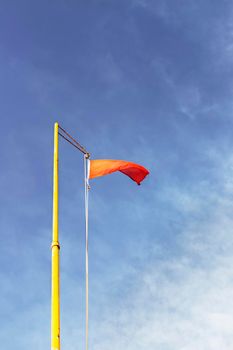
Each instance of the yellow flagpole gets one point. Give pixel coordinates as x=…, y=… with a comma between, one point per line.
x=55, y=295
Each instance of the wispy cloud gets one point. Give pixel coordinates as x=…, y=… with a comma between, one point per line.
x=184, y=301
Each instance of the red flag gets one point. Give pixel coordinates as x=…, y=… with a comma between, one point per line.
x=100, y=167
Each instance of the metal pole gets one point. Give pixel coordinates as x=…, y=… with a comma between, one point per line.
x=55, y=295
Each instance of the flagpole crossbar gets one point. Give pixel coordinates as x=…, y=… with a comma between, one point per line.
x=72, y=141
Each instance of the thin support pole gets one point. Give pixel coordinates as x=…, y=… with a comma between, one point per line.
x=55, y=295
x=86, y=175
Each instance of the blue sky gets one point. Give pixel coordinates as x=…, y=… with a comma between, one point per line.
x=142, y=80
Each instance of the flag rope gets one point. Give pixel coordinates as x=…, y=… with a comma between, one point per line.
x=87, y=187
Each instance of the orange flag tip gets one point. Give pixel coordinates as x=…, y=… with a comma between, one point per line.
x=101, y=167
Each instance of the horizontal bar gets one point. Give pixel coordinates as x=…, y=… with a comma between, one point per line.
x=75, y=143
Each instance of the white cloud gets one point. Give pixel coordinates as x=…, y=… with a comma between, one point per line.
x=183, y=301
x=160, y=8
